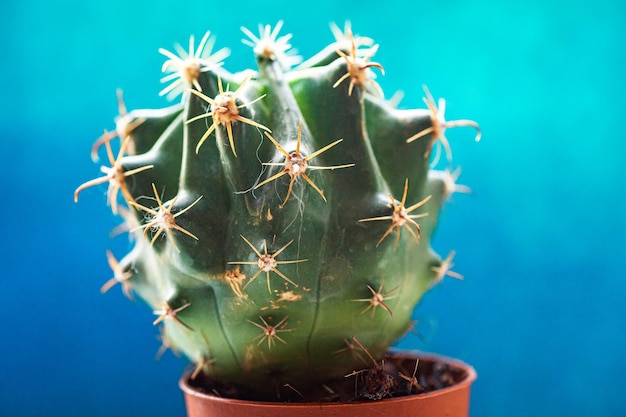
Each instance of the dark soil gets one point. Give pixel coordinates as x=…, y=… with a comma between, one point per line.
x=396, y=376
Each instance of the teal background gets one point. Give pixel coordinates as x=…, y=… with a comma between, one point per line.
x=541, y=241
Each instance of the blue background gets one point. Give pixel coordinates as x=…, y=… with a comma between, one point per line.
x=541, y=241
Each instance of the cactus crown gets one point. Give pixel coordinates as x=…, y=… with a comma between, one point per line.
x=281, y=217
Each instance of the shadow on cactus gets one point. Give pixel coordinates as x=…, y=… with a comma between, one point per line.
x=282, y=216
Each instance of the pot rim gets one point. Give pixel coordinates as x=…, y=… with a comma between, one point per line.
x=470, y=377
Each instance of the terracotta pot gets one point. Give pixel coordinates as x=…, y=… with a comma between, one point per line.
x=452, y=401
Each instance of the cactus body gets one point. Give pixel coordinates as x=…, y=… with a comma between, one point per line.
x=300, y=223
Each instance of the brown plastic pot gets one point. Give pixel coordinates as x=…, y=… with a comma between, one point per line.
x=452, y=401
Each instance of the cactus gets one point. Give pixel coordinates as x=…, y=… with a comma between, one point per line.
x=279, y=215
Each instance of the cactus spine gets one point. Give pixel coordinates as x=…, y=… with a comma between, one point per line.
x=281, y=213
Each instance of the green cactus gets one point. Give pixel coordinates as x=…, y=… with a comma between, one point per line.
x=279, y=215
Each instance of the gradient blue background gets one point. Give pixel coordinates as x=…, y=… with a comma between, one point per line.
x=541, y=314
